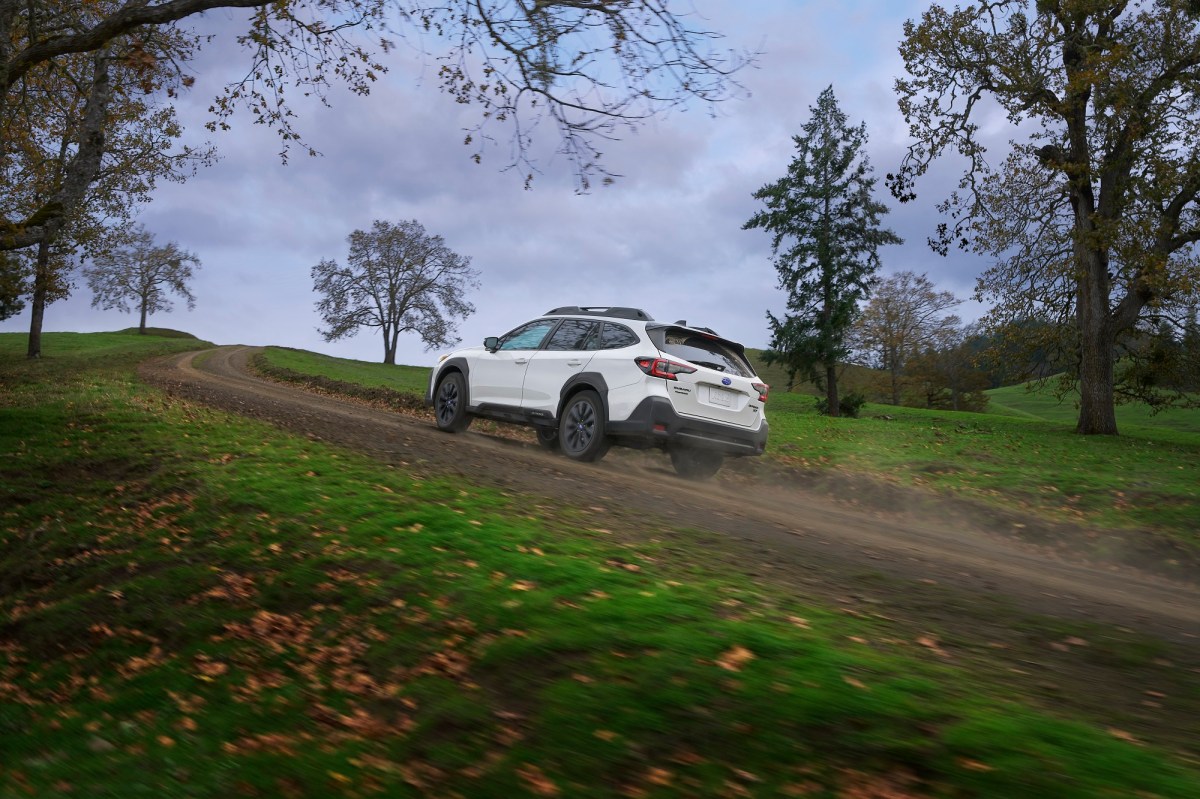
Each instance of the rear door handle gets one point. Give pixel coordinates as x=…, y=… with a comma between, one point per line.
x=574, y=363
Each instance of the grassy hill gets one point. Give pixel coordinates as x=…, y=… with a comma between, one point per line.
x=1040, y=403
x=196, y=604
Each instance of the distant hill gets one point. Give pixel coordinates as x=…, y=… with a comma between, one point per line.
x=159, y=331
x=1041, y=403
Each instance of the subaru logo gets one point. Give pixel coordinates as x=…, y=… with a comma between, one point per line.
x=725, y=381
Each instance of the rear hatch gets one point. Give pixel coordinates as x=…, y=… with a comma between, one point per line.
x=723, y=388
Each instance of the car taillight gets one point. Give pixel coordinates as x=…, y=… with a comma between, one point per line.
x=762, y=389
x=661, y=367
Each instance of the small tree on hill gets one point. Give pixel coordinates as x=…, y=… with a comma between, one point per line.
x=826, y=236
x=135, y=274
x=906, y=316
x=945, y=376
x=399, y=279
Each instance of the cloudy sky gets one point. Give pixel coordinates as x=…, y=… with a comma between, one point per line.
x=666, y=237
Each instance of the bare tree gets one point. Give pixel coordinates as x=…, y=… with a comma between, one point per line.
x=905, y=316
x=399, y=279
x=137, y=275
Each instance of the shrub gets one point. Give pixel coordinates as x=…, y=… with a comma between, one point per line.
x=848, y=404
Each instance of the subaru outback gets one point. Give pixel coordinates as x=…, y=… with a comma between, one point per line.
x=587, y=378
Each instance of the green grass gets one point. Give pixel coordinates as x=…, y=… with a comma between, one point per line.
x=404, y=379
x=1023, y=457
x=194, y=604
x=1148, y=478
x=1132, y=418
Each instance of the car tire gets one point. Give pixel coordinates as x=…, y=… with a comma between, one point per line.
x=581, y=430
x=696, y=464
x=450, y=404
x=547, y=437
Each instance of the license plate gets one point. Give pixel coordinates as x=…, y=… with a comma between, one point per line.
x=720, y=397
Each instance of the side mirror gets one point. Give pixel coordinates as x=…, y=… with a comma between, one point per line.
x=492, y=343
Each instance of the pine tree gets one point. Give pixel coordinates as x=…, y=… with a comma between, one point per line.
x=826, y=235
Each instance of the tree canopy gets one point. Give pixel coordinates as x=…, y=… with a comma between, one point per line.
x=397, y=278
x=1092, y=217
x=825, y=236
x=588, y=68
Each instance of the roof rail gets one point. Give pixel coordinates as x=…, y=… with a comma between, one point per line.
x=614, y=311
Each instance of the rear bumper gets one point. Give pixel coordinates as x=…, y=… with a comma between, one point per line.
x=656, y=422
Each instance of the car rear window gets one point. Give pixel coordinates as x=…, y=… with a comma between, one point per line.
x=704, y=351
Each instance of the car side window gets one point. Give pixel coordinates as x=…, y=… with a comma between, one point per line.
x=527, y=337
x=614, y=337
x=572, y=334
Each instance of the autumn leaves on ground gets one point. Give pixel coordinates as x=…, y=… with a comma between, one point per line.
x=193, y=604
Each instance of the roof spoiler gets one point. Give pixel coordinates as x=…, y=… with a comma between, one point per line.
x=683, y=323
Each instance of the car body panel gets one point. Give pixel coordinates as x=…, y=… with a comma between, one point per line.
x=547, y=373
x=497, y=377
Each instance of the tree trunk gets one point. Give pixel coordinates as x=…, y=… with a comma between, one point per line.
x=389, y=345
x=41, y=277
x=831, y=392
x=1097, y=406
x=142, y=326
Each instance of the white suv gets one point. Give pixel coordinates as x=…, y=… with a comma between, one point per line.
x=587, y=378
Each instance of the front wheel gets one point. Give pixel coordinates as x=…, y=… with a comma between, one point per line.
x=581, y=430
x=696, y=464
x=450, y=404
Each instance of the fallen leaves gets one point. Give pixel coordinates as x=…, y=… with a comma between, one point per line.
x=536, y=780
x=735, y=658
x=1122, y=735
x=930, y=642
x=208, y=668
x=855, y=683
